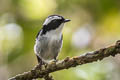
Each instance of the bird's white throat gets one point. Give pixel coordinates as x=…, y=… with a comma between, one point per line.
x=56, y=32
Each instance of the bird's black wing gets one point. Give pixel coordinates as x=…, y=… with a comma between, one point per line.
x=39, y=60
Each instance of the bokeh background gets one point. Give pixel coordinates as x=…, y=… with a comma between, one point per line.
x=94, y=24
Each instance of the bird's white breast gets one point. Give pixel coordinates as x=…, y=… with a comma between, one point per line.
x=49, y=44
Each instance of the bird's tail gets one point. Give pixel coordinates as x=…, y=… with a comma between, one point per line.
x=40, y=62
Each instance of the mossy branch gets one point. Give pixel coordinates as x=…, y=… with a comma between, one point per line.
x=40, y=72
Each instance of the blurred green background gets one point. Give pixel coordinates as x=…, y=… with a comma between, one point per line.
x=94, y=24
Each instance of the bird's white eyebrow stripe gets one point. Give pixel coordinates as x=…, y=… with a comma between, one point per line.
x=49, y=19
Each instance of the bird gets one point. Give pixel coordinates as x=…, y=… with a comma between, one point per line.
x=49, y=39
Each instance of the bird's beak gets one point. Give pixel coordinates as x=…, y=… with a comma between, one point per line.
x=67, y=20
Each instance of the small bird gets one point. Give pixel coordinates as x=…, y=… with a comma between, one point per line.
x=49, y=39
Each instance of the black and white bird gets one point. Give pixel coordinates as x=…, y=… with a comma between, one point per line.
x=49, y=39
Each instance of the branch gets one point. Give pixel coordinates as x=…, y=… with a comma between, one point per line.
x=47, y=77
x=89, y=57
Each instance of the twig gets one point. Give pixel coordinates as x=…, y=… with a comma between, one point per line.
x=69, y=62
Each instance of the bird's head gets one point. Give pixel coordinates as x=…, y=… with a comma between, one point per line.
x=54, y=22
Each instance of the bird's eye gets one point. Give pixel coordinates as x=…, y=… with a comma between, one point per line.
x=62, y=19
x=54, y=20
x=57, y=21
